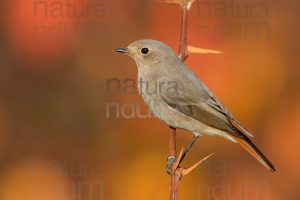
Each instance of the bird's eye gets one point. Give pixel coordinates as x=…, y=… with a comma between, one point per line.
x=144, y=50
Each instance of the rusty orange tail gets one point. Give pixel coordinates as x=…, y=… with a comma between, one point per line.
x=255, y=152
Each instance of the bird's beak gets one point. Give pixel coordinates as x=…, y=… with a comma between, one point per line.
x=121, y=50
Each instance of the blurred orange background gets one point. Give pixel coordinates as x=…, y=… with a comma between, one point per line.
x=67, y=134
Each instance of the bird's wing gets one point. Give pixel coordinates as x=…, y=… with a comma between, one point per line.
x=205, y=107
x=212, y=112
x=217, y=104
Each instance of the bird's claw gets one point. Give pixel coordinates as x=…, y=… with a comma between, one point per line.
x=170, y=161
x=173, y=165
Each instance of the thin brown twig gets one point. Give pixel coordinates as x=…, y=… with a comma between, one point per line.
x=176, y=171
x=183, y=53
x=173, y=152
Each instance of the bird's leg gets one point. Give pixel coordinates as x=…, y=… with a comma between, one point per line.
x=172, y=159
x=188, y=148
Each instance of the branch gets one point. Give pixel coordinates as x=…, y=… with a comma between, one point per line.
x=184, y=50
x=183, y=54
x=173, y=152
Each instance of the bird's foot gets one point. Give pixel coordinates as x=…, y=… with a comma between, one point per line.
x=170, y=161
x=173, y=164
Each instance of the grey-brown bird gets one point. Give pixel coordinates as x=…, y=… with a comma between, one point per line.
x=180, y=99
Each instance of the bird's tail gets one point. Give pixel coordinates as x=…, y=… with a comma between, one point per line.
x=255, y=152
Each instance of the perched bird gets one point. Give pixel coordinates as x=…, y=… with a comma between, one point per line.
x=179, y=98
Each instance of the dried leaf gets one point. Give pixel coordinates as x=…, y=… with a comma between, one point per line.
x=188, y=3
x=189, y=170
x=178, y=2
x=177, y=162
x=192, y=49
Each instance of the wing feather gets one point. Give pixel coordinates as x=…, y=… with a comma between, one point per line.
x=207, y=110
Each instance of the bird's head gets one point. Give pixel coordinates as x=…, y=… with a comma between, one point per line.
x=148, y=52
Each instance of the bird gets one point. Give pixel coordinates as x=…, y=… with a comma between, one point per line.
x=177, y=96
